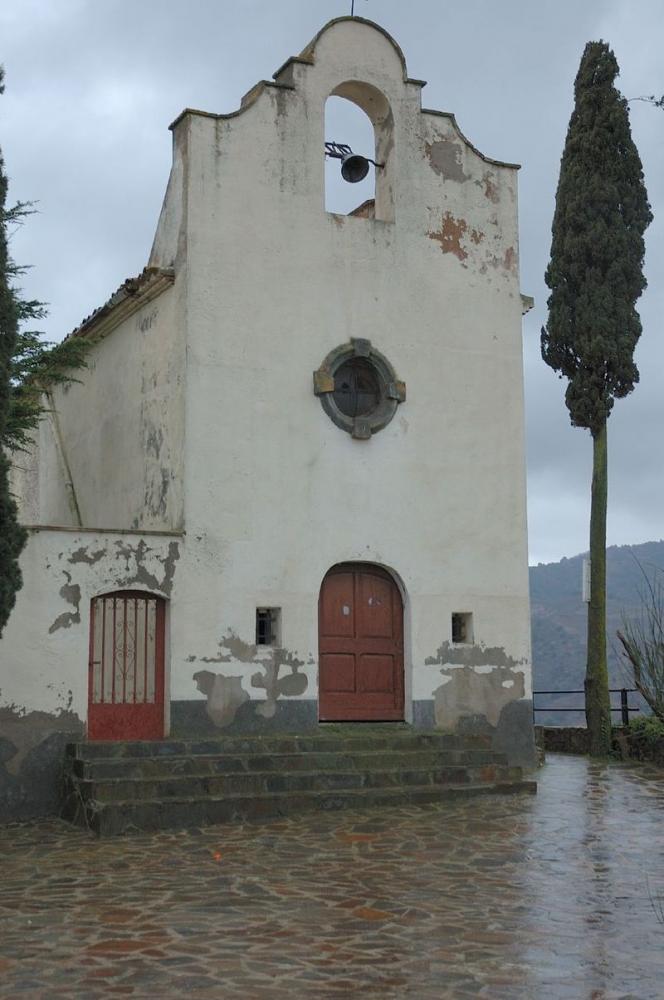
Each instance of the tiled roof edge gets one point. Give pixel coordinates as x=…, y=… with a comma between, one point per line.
x=127, y=299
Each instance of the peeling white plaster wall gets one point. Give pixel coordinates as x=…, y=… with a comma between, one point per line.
x=279, y=494
x=271, y=492
x=44, y=648
x=122, y=430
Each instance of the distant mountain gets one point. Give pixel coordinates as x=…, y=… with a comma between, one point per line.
x=559, y=615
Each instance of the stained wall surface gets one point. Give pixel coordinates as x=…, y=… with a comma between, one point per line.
x=198, y=416
x=44, y=649
x=438, y=495
x=116, y=433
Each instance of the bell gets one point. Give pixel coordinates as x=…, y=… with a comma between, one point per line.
x=354, y=168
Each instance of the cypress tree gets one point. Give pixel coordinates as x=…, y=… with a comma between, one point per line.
x=28, y=365
x=12, y=535
x=596, y=276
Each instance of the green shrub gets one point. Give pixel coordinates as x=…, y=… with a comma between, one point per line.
x=646, y=736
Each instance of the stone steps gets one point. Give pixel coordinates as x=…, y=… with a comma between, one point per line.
x=115, y=788
x=213, y=764
x=261, y=783
x=379, y=739
x=110, y=819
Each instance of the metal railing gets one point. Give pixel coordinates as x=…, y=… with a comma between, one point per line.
x=625, y=708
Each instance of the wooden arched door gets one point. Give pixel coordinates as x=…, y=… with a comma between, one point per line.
x=126, y=668
x=360, y=630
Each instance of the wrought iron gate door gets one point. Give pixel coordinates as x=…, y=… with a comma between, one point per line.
x=126, y=668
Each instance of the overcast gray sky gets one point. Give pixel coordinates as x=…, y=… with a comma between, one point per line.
x=91, y=86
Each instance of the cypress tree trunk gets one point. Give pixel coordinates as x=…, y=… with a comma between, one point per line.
x=598, y=704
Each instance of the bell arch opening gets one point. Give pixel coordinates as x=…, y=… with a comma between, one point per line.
x=358, y=115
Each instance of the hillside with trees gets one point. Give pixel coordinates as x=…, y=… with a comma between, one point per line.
x=558, y=618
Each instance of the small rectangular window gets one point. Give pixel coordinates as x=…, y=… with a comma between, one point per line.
x=267, y=626
x=462, y=627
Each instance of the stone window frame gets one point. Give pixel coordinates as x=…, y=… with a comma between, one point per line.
x=268, y=627
x=462, y=628
x=392, y=389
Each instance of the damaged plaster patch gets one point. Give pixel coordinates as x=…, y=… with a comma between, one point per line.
x=138, y=573
x=477, y=681
x=468, y=693
x=231, y=647
x=509, y=260
x=473, y=656
x=490, y=187
x=506, y=262
x=238, y=649
x=224, y=695
x=22, y=731
x=446, y=159
x=450, y=235
x=291, y=685
x=83, y=556
x=270, y=660
x=144, y=567
x=72, y=595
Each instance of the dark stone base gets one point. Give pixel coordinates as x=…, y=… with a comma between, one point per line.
x=563, y=739
x=37, y=787
x=423, y=715
x=514, y=735
x=190, y=718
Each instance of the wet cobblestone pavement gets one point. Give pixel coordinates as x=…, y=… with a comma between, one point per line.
x=550, y=897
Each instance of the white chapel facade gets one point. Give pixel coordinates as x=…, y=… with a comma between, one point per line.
x=290, y=485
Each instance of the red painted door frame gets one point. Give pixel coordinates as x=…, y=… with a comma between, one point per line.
x=126, y=666
x=360, y=637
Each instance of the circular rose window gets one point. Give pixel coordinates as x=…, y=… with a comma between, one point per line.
x=358, y=388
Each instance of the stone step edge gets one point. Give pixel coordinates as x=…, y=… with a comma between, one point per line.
x=428, y=738
x=445, y=791
x=287, y=755
x=87, y=782
x=278, y=734
x=344, y=767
